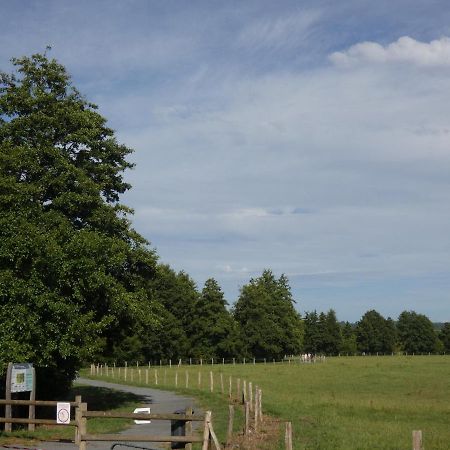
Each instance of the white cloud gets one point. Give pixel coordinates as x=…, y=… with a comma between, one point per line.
x=406, y=49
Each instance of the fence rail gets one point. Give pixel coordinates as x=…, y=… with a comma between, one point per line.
x=82, y=437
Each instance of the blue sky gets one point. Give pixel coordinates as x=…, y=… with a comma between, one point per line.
x=309, y=137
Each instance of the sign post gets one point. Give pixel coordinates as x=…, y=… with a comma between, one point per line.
x=20, y=378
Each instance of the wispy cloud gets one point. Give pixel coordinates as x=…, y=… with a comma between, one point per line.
x=289, y=30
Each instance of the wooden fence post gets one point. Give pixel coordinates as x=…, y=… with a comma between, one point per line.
x=250, y=395
x=247, y=418
x=230, y=424
x=244, y=392
x=288, y=436
x=77, y=420
x=188, y=428
x=417, y=440
x=230, y=387
x=187, y=380
x=256, y=409
x=206, y=431
x=221, y=383
x=260, y=405
x=238, y=388
x=199, y=379
x=211, y=381
x=156, y=377
x=82, y=426
x=8, y=414
x=176, y=379
x=32, y=408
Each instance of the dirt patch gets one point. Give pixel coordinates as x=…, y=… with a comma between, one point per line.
x=267, y=437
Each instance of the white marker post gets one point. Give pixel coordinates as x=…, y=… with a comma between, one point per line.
x=142, y=411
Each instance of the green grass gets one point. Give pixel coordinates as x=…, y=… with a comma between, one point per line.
x=98, y=399
x=343, y=403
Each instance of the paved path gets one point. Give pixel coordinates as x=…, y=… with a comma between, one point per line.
x=158, y=401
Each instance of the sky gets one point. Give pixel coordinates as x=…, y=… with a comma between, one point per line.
x=311, y=138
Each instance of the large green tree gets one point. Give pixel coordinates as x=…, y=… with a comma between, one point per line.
x=177, y=292
x=270, y=325
x=313, y=334
x=215, y=332
x=375, y=334
x=349, y=345
x=72, y=270
x=416, y=333
x=331, y=333
x=444, y=336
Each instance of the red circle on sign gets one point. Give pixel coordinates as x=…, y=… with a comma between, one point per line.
x=63, y=415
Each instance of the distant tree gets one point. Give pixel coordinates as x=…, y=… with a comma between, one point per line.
x=72, y=270
x=444, y=336
x=331, y=338
x=375, y=334
x=313, y=334
x=178, y=294
x=416, y=333
x=349, y=344
x=271, y=328
x=215, y=333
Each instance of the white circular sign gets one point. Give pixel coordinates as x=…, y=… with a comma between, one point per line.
x=63, y=416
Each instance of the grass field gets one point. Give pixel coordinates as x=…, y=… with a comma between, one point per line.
x=342, y=403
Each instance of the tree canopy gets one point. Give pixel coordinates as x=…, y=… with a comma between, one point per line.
x=265, y=312
x=416, y=333
x=375, y=334
x=71, y=266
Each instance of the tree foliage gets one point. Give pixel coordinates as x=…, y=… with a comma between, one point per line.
x=215, y=332
x=71, y=267
x=322, y=333
x=349, y=345
x=269, y=324
x=375, y=334
x=444, y=336
x=416, y=333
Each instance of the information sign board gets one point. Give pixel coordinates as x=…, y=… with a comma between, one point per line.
x=22, y=377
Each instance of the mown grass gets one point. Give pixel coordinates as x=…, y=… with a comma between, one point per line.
x=342, y=403
x=99, y=399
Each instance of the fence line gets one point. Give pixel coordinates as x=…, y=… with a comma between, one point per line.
x=247, y=394
x=82, y=437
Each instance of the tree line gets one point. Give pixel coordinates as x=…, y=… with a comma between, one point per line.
x=78, y=283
